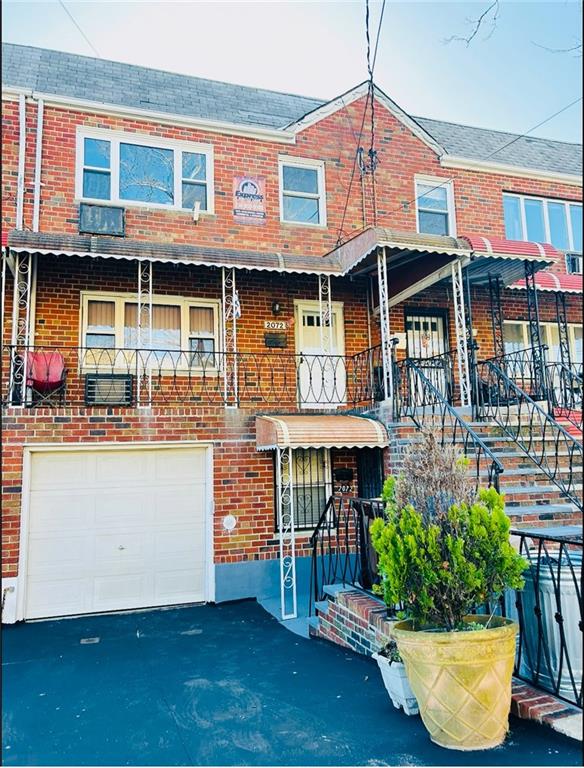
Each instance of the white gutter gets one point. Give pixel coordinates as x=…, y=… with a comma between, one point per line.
x=21, y=160
x=37, y=167
x=505, y=169
x=280, y=136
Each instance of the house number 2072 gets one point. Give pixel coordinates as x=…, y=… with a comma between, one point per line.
x=275, y=325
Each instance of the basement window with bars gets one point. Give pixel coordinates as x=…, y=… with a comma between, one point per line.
x=311, y=486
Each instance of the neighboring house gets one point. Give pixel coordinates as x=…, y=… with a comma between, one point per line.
x=184, y=272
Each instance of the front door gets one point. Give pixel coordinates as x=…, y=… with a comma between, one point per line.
x=322, y=378
x=427, y=340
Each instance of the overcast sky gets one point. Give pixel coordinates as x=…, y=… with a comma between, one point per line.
x=506, y=79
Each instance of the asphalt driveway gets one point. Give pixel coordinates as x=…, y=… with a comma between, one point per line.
x=215, y=685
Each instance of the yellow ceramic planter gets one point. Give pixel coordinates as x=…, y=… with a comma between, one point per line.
x=462, y=681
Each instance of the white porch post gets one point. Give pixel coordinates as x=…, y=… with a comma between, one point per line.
x=24, y=265
x=325, y=309
x=384, y=318
x=144, y=335
x=288, y=600
x=461, y=333
x=231, y=312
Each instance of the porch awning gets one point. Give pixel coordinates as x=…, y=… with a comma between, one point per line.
x=319, y=432
x=549, y=281
x=505, y=259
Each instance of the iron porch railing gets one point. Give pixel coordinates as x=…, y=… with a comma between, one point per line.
x=548, y=609
x=151, y=377
x=565, y=391
x=427, y=406
x=554, y=450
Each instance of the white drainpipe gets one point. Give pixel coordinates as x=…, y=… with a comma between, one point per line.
x=21, y=159
x=37, y=167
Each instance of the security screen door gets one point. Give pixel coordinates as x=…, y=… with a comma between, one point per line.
x=427, y=338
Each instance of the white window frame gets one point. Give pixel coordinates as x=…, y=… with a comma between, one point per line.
x=144, y=140
x=437, y=181
x=185, y=304
x=546, y=221
x=524, y=324
x=576, y=257
x=302, y=162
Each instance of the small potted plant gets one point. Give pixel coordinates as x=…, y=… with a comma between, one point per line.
x=444, y=552
x=395, y=678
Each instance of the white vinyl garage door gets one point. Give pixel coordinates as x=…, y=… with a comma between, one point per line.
x=116, y=529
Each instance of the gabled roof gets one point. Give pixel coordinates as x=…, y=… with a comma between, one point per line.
x=126, y=85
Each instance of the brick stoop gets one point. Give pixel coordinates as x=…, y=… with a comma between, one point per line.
x=358, y=621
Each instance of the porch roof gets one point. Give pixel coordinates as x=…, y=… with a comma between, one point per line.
x=549, y=281
x=317, y=431
x=505, y=259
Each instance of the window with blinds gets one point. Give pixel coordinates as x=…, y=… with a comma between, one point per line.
x=181, y=332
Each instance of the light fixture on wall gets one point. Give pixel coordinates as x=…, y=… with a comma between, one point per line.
x=276, y=307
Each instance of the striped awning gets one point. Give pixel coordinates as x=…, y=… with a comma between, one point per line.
x=520, y=249
x=549, y=281
x=317, y=431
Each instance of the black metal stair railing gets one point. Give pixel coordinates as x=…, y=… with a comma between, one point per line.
x=549, y=612
x=420, y=399
x=341, y=551
x=565, y=391
x=554, y=450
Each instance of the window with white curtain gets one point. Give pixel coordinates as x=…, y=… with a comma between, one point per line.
x=516, y=337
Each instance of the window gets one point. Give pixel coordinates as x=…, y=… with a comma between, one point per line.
x=128, y=169
x=516, y=338
x=302, y=193
x=311, y=485
x=558, y=222
x=574, y=263
x=435, y=206
x=179, y=327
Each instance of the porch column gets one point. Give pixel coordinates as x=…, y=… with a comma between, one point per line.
x=461, y=331
x=144, y=335
x=496, y=316
x=384, y=319
x=288, y=602
x=231, y=312
x=470, y=341
x=535, y=331
x=325, y=310
x=24, y=277
x=562, y=321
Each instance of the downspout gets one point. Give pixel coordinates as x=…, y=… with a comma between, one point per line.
x=21, y=160
x=37, y=166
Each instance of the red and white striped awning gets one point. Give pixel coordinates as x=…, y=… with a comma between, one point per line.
x=549, y=281
x=499, y=247
x=4, y=235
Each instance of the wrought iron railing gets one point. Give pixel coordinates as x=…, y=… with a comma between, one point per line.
x=63, y=375
x=523, y=368
x=439, y=370
x=341, y=549
x=419, y=398
x=565, y=391
x=554, y=450
x=549, y=612
x=548, y=609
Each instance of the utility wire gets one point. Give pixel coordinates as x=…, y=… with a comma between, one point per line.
x=87, y=40
x=487, y=157
x=370, y=97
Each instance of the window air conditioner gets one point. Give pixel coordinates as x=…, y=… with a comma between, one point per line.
x=109, y=389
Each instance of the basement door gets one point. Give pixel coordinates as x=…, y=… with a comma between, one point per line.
x=116, y=529
x=322, y=379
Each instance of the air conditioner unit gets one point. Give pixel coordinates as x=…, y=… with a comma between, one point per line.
x=574, y=263
x=109, y=389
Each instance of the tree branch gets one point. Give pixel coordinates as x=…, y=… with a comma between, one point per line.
x=493, y=10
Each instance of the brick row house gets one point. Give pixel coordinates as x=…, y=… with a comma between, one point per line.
x=218, y=311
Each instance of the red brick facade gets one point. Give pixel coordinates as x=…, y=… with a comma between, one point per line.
x=243, y=477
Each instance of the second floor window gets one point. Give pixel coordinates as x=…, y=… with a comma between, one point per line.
x=139, y=171
x=302, y=196
x=435, y=207
x=540, y=220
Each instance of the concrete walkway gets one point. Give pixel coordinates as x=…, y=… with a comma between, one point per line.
x=215, y=685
